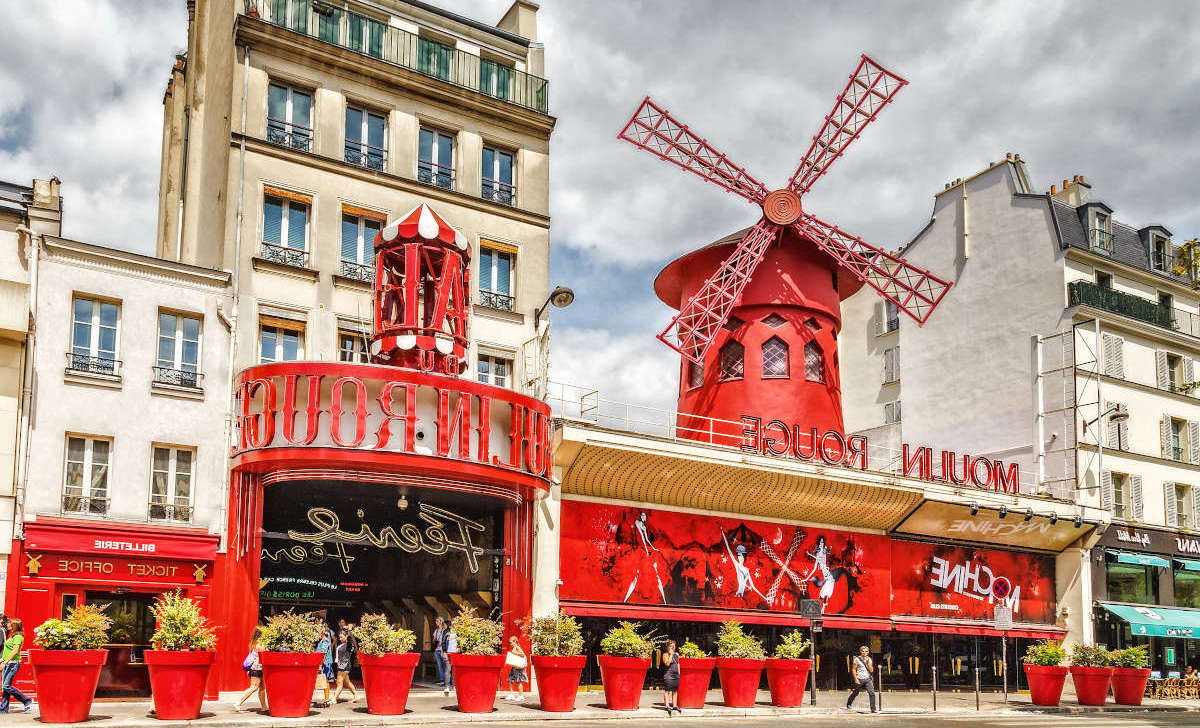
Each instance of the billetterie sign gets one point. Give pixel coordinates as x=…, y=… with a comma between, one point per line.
x=777, y=438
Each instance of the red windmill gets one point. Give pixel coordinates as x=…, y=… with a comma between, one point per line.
x=814, y=266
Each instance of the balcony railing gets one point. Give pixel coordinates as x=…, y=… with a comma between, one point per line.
x=84, y=504
x=492, y=299
x=497, y=191
x=1101, y=240
x=371, y=37
x=358, y=271
x=364, y=155
x=1107, y=299
x=177, y=377
x=161, y=511
x=287, y=134
x=93, y=364
x=438, y=175
x=284, y=255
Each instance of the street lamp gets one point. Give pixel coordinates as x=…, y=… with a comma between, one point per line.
x=561, y=297
x=1115, y=415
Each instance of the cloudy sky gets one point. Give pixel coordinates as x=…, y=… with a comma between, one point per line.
x=1109, y=90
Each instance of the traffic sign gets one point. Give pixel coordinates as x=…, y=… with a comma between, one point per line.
x=1003, y=617
x=1001, y=588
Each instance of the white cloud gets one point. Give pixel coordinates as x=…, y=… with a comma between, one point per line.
x=623, y=368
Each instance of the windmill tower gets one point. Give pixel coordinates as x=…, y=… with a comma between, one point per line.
x=760, y=310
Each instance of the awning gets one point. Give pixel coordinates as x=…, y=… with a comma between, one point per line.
x=691, y=614
x=1133, y=557
x=1158, y=621
x=978, y=629
x=1189, y=564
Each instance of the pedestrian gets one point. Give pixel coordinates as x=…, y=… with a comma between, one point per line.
x=517, y=661
x=439, y=648
x=342, y=661
x=11, y=661
x=864, y=679
x=451, y=646
x=3, y=628
x=671, y=680
x=253, y=668
x=325, y=671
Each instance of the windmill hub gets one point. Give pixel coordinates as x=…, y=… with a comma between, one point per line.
x=782, y=207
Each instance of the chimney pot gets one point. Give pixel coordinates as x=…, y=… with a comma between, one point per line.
x=1052, y=190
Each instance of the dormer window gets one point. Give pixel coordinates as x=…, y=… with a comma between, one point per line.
x=1160, y=253
x=1101, y=232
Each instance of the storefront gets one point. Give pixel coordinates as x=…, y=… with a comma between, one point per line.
x=68, y=562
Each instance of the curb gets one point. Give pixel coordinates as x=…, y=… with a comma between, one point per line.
x=1118, y=709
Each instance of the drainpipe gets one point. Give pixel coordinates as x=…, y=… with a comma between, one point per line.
x=183, y=170
x=25, y=427
x=966, y=244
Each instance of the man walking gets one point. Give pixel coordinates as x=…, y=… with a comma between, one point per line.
x=439, y=648
x=864, y=677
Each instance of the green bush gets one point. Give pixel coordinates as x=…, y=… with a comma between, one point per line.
x=1047, y=653
x=1085, y=656
x=291, y=632
x=377, y=637
x=793, y=646
x=557, y=636
x=85, y=628
x=180, y=625
x=732, y=641
x=1135, y=657
x=625, y=640
x=691, y=649
x=476, y=635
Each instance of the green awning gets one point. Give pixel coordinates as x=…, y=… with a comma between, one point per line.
x=1133, y=557
x=1158, y=621
x=1189, y=564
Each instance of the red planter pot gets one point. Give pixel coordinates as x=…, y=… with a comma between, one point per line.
x=695, y=675
x=739, y=680
x=558, y=681
x=787, y=679
x=290, y=678
x=476, y=679
x=387, y=680
x=1091, y=684
x=177, y=682
x=1129, y=684
x=623, y=678
x=1045, y=683
x=66, y=682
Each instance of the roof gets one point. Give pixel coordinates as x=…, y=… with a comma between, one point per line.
x=478, y=25
x=15, y=197
x=1130, y=247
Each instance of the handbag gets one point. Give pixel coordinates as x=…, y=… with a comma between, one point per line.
x=515, y=661
x=248, y=663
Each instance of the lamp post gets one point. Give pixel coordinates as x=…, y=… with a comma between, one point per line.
x=1115, y=415
x=560, y=297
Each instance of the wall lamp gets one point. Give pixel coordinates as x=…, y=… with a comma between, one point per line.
x=974, y=509
x=1115, y=415
x=1003, y=512
x=1053, y=518
x=560, y=297
x=1028, y=515
x=1078, y=521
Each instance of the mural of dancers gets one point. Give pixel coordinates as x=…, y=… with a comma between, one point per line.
x=647, y=565
x=741, y=571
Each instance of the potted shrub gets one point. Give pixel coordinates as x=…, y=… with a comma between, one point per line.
x=67, y=663
x=740, y=662
x=1091, y=671
x=623, y=665
x=1131, y=669
x=558, y=661
x=290, y=663
x=388, y=662
x=1045, y=672
x=787, y=670
x=181, y=659
x=478, y=663
x=695, y=675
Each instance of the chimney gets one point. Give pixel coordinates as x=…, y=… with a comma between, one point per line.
x=45, y=214
x=521, y=18
x=1074, y=192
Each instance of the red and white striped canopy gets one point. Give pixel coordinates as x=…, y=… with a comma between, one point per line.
x=423, y=222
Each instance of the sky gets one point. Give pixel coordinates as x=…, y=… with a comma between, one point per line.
x=1109, y=90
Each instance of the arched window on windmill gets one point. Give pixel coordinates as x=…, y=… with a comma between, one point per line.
x=775, y=358
x=814, y=362
x=733, y=361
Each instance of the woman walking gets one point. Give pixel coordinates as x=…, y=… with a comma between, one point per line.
x=325, y=672
x=253, y=668
x=516, y=661
x=11, y=660
x=342, y=661
x=671, y=679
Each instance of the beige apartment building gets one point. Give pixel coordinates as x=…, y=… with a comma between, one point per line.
x=294, y=129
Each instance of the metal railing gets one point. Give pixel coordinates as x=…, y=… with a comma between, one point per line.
x=438, y=175
x=177, y=377
x=93, y=364
x=493, y=299
x=163, y=511
x=1162, y=261
x=284, y=255
x=1101, y=240
x=357, y=271
x=85, y=504
x=376, y=39
x=287, y=134
x=497, y=191
x=364, y=155
x=1092, y=294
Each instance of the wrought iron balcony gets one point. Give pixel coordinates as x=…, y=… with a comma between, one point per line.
x=93, y=364
x=177, y=377
x=286, y=134
x=163, y=511
x=284, y=255
x=438, y=175
x=371, y=37
x=500, y=192
x=493, y=299
x=1107, y=299
x=97, y=505
x=358, y=271
x=365, y=155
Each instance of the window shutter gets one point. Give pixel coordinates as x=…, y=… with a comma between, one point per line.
x=1194, y=442
x=1114, y=355
x=1195, y=507
x=1123, y=429
x=1164, y=436
x=880, y=319
x=1114, y=428
x=1135, y=495
x=1106, y=490
x=1164, y=374
x=1172, y=508
x=1189, y=374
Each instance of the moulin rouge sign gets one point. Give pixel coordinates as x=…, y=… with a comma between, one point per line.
x=781, y=439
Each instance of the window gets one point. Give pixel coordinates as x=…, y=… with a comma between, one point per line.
x=893, y=316
x=171, y=478
x=1121, y=497
x=85, y=486
x=498, y=176
x=353, y=348
x=289, y=117
x=178, y=350
x=94, y=336
x=496, y=278
x=435, y=159
x=494, y=79
x=279, y=343
x=364, y=35
x=291, y=14
x=1160, y=253
x=1174, y=372
x=1166, y=300
x=774, y=359
x=1183, y=505
x=1101, y=236
x=358, y=247
x=733, y=323
x=1187, y=588
x=494, y=370
x=774, y=321
x=1104, y=280
x=891, y=365
x=285, y=230
x=1132, y=583
x=365, y=134
x=433, y=58
x=1178, y=430
x=695, y=374
x=733, y=361
x=814, y=362
x=891, y=412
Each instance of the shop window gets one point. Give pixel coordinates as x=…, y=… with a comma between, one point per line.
x=353, y=348
x=774, y=359
x=358, y=247
x=1132, y=583
x=171, y=479
x=131, y=614
x=178, y=360
x=85, y=486
x=279, y=343
x=814, y=362
x=289, y=117
x=695, y=374
x=496, y=271
x=495, y=370
x=1187, y=588
x=94, y=331
x=733, y=361
x=435, y=158
x=365, y=134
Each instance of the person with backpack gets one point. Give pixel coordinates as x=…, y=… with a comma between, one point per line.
x=253, y=668
x=864, y=677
